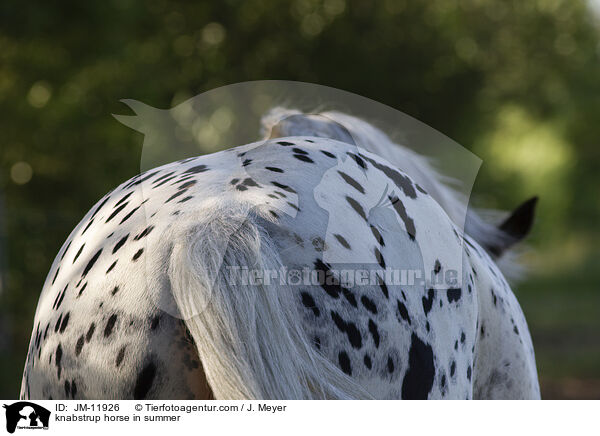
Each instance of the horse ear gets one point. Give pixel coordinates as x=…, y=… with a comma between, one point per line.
x=519, y=223
x=516, y=227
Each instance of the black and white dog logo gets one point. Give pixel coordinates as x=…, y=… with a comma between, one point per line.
x=26, y=415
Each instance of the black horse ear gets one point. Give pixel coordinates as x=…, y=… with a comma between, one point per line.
x=516, y=227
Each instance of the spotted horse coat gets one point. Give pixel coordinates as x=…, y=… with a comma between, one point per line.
x=111, y=322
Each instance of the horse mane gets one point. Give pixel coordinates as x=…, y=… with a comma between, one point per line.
x=478, y=224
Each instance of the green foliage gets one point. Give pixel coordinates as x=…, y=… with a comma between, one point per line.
x=515, y=82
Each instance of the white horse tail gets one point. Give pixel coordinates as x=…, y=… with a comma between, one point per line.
x=249, y=337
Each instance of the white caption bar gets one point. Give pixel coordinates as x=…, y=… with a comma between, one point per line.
x=320, y=417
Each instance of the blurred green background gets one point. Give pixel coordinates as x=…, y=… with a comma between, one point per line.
x=517, y=83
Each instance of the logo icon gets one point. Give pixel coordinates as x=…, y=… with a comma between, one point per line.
x=26, y=415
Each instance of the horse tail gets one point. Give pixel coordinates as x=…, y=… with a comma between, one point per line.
x=249, y=337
